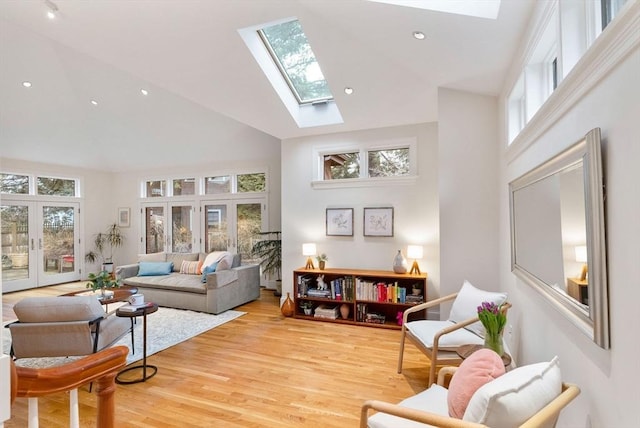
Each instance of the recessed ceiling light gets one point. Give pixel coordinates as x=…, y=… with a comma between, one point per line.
x=144, y=92
x=348, y=90
x=26, y=84
x=94, y=102
x=418, y=35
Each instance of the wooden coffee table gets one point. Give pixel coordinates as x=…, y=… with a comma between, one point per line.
x=120, y=294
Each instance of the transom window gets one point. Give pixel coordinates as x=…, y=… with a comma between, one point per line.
x=367, y=163
x=255, y=182
x=47, y=186
x=290, y=49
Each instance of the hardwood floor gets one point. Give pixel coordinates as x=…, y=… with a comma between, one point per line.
x=260, y=370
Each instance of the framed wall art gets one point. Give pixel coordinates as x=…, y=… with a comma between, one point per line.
x=124, y=217
x=378, y=221
x=339, y=221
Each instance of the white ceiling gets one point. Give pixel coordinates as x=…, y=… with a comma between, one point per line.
x=206, y=88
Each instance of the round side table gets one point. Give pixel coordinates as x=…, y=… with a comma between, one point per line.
x=148, y=371
x=465, y=351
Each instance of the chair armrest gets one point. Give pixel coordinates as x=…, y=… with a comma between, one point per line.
x=551, y=411
x=427, y=305
x=414, y=415
x=444, y=371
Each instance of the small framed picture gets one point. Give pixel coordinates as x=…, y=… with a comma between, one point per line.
x=124, y=217
x=378, y=221
x=339, y=221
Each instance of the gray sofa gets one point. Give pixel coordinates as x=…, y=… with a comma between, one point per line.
x=223, y=289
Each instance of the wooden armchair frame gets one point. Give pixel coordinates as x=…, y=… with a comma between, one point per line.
x=548, y=413
x=101, y=367
x=432, y=353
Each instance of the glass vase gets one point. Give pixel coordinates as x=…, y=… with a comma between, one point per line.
x=493, y=341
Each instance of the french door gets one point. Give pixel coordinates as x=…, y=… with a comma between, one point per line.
x=40, y=243
x=232, y=225
x=169, y=227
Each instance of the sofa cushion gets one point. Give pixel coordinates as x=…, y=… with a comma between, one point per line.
x=174, y=281
x=466, y=304
x=481, y=367
x=154, y=268
x=213, y=257
x=190, y=268
x=226, y=262
x=153, y=257
x=517, y=395
x=178, y=258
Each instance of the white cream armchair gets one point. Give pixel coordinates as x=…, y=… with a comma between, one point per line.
x=438, y=340
x=527, y=397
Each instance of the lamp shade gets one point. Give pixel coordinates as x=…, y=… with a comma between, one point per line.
x=414, y=251
x=309, y=249
x=581, y=253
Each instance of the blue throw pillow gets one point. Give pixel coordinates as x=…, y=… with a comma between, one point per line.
x=154, y=268
x=208, y=269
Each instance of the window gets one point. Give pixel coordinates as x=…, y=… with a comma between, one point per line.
x=251, y=182
x=389, y=163
x=155, y=188
x=290, y=49
x=341, y=165
x=56, y=186
x=184, y=186
x=609, y=10
x=364, y=164
x=218, y=184
x=13, y=183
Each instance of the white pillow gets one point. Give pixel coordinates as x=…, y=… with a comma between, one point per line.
x=466, y=304
x=213, y=257
x=514, y=397
x=153, y=257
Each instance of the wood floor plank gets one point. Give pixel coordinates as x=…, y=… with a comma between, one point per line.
x=260, y=370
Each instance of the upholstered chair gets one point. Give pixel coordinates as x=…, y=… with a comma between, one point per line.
x=63, y=326
x=439, y=339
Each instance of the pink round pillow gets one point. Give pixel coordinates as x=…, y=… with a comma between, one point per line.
x=481, y=367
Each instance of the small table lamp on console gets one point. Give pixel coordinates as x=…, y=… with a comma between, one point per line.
x=581, y=257
x=414, y=252
x=309, y=250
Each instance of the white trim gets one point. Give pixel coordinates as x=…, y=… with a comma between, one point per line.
x=408, y=180
x=617, y=41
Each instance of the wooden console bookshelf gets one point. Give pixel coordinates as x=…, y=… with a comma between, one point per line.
x=372, y=298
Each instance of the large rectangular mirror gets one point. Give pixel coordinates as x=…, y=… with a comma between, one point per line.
x=558, y=235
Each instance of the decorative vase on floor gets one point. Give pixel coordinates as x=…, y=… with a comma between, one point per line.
x=493, y=341
x=399, y=263
x=344, y=311
x=287, y=307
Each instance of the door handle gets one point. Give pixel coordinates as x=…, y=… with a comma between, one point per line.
x=39, y=243
x=33, y=245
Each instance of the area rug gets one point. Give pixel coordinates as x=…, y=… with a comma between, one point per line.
x=166, y=327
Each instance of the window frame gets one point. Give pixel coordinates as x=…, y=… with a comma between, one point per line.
x=318, y=154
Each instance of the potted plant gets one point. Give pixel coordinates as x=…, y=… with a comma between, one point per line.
x=101, y=281
x=105, y=243
x=269, y=251
x=307, y=307
x=322, y=259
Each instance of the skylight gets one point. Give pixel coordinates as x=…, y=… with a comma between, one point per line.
x=290, y=49
x=479, y=8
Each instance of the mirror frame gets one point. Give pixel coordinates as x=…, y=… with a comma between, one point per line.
x=594, y=320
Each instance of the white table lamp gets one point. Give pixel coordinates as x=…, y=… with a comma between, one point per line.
x=309, y=250
x=414, y=252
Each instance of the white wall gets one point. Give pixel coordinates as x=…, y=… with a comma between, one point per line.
x=468, y=187
x=415, y=206
x=608, y=378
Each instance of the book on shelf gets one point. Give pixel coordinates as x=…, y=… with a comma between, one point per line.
x=374, y=318
x=326, y=311
x=314, y=292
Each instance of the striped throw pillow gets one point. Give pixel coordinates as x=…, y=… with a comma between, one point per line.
x=190, y=268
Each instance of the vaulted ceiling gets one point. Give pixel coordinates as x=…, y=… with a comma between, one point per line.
x=205, y=88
